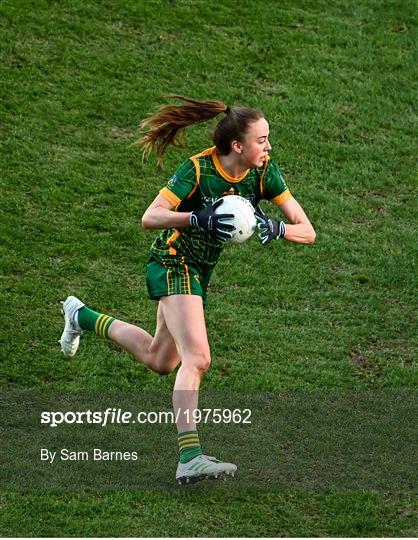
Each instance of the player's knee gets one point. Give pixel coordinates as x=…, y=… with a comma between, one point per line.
x=166, y=364
x=166, y=369
x=201, y=361
x=196, y=357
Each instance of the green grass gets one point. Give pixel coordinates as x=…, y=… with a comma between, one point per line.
x=185, y=514
x=336, y=81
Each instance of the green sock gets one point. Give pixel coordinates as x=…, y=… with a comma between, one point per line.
x=91, y=320
x=189, y=445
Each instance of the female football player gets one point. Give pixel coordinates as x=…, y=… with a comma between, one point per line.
x=184, y=254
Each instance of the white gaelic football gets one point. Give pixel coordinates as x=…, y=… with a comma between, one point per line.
x=244, y=218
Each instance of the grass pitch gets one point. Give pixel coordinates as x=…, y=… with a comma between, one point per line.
x=336, y=81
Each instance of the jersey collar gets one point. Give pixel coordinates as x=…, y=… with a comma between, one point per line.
x=222, y=172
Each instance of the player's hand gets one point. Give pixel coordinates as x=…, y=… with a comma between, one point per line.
x=216, y=225
x=270, y=229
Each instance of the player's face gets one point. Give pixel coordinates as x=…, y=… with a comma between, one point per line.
x=256, y=145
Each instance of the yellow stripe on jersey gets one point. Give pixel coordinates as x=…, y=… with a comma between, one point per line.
x=266, y=161
x=170, y=196
x=206, y=152
x=197, y=169
x=171, y=240
x=282, y=198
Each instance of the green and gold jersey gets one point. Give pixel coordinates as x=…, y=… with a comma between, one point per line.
x=201, y=181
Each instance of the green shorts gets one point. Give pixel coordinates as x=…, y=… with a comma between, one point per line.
x=173, y=275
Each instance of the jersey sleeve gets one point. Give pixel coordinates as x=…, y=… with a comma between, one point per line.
x=182, y=184
x=274, y=187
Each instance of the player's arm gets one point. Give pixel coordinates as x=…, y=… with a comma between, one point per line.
x=298, y=230
x=160, y=214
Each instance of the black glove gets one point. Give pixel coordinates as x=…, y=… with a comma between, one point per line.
x=269, y=228
x=216, y=225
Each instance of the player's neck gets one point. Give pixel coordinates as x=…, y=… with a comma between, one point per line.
x=232, y=166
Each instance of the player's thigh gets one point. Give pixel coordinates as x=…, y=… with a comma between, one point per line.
x=185, y=319
x=163, y=342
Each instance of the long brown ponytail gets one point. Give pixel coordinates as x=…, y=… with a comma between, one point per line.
x=167, y=126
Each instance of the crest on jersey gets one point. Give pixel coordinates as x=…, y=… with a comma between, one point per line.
x=231, y=191
x=172, y=181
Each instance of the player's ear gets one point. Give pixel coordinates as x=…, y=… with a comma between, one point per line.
x=236, y=147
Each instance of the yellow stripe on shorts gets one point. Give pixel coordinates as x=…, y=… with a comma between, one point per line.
x=189, y=289
x=178, y=279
